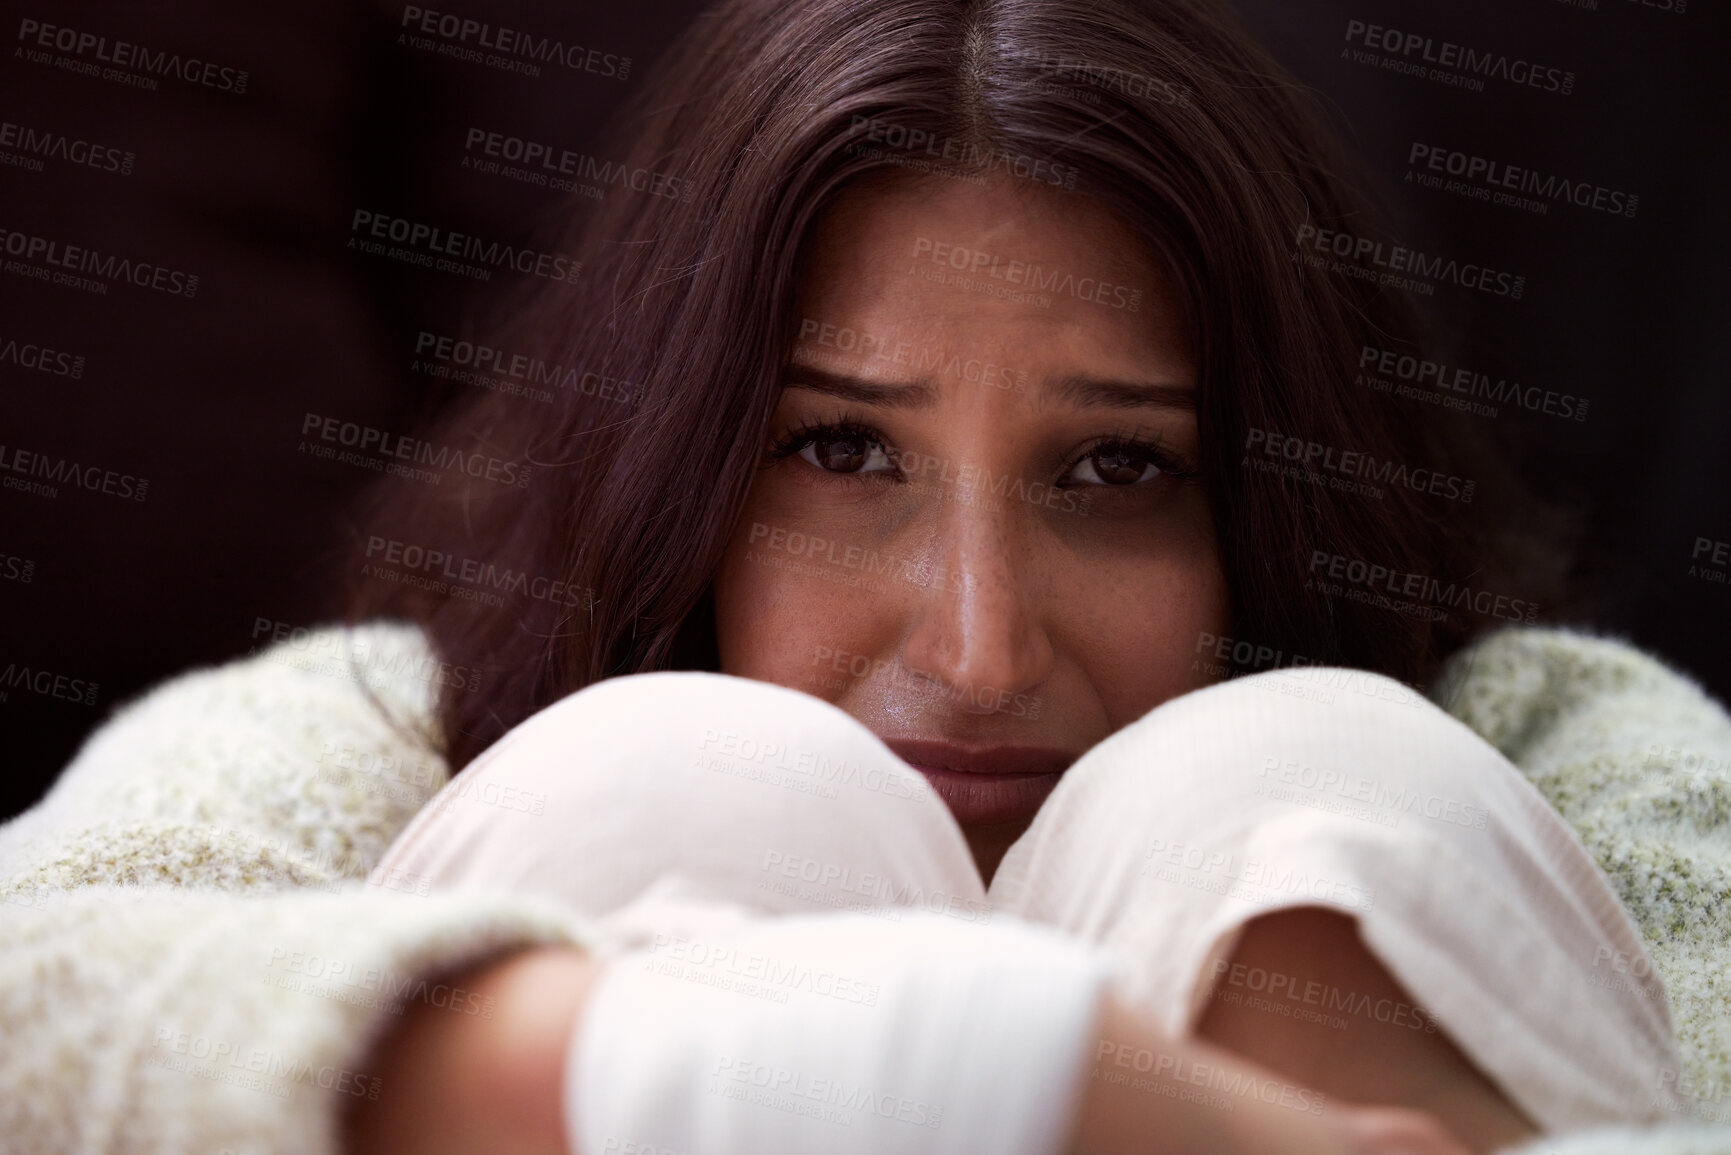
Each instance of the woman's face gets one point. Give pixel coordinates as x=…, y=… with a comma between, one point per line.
x=976, y=528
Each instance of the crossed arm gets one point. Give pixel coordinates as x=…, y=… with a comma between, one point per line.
x=464, y=1084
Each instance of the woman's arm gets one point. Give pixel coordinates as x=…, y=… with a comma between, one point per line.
x=462, y=1087
x=1139, y=1114
x=189, y=960
x=456, y=1085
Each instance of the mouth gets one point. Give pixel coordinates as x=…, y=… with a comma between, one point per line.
x=984, y=785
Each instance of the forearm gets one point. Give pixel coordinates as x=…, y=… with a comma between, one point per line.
x=461, y=1084
x=1134, y=1103
x=1125, y=1108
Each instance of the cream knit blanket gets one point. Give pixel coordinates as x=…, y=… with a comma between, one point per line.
x=189, y=960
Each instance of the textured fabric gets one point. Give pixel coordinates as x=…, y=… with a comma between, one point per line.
x=240, y=807
x=1637, y=758
x=921, y=1036
x=1159, y=845
x=190, y=960
x=685, y=800
x=1245, y=798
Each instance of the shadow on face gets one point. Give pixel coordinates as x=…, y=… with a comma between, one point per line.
x=979, y=526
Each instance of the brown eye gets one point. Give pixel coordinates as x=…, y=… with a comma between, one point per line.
x=845, y=453
x=840, y=454
x=1116, y=465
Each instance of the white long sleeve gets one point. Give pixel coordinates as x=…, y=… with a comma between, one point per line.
x=212, y=837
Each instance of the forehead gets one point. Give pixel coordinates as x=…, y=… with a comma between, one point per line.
x=1046, y=272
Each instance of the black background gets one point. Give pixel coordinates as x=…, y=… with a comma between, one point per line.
x=254, y=192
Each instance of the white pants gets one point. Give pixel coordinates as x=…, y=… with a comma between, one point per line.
x=663, y=807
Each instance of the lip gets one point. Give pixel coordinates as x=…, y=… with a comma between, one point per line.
x=983, y=784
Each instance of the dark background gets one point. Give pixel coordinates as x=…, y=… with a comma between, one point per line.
x=254, y=193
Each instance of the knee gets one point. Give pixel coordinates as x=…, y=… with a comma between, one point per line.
x=1304, y=695
x=659, y=730
x=686, y=711
x=1262, y=721
x=1337, y=738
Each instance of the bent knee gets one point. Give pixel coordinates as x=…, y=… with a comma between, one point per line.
x=638, y=722
x=707, y=743
x=1314, y=733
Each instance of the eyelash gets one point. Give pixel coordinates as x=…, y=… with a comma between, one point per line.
x=846, y=426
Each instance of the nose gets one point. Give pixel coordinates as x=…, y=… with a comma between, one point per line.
x=976, y=624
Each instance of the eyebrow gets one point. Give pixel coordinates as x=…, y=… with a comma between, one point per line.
x=1081, y=390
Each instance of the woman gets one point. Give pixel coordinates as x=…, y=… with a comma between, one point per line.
x=1079, y=226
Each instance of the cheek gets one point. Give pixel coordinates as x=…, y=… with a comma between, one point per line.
x=776, y=618
x=1144, y=633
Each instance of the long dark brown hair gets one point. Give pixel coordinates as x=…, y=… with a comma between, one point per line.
x=1165, y=111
